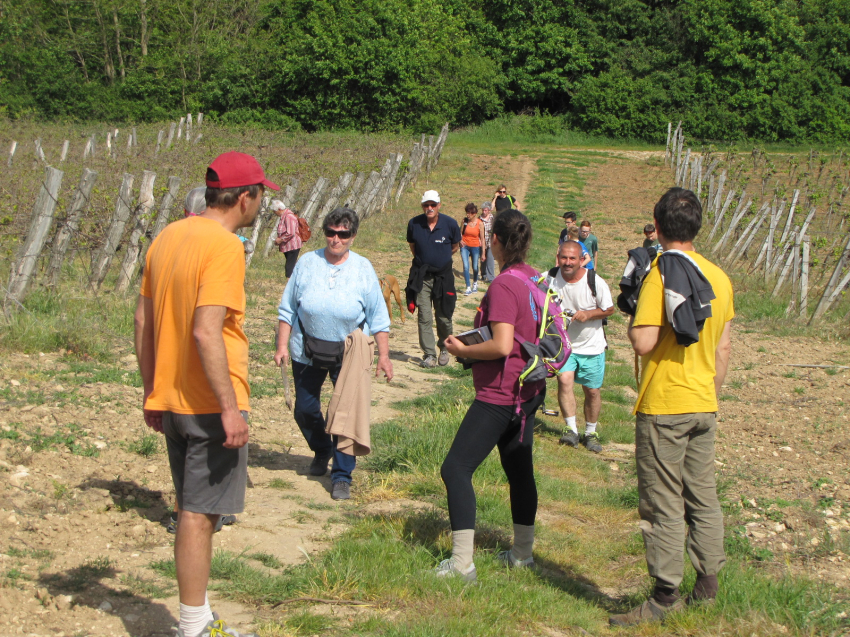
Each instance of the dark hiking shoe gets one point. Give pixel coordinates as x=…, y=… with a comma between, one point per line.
x=428, y=362
x=319, y=466
x=569, y=438
x=591, y=443
x=649, y=611
x=341, y=490
x=705, y=590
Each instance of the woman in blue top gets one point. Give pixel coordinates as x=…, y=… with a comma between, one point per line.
x=332, y=292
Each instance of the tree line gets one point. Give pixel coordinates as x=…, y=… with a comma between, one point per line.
x=766, y=70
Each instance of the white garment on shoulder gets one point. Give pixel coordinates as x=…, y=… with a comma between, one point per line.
x=587, y=338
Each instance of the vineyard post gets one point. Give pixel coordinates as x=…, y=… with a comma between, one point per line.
x=832, y=285
x=406, y=178
x=804, y=278
x=180, y=127
x=388, y=191
x=667, y=145
x=102, y=257
x=441, y=141
x=198, y=139
x=42, y=218
x=162, y=215
x=787, y=267
x=64, y=154
x=795, y=272
x=744, y=240
x=62, y=239
x=200, y=119
x=39, y=153
x=171, y=130
x=333, y=199
x=188, y=127
x=12, y=150
x=314, y=199
x=363, y=196
x=718, y=217
x=159, y=137
x=736, y=218
x=141, y=222
x=354, y=193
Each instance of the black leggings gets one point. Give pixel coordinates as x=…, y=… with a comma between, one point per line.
x=486, y=426
x=291, y=259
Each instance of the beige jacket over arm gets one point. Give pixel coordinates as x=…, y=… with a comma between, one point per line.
x=348, y=411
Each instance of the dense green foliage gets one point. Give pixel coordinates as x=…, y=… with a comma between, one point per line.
x=730, y=69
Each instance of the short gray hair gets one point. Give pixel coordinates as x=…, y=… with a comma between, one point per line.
x=344, y=217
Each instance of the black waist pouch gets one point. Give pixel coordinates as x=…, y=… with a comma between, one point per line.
x=324, y=354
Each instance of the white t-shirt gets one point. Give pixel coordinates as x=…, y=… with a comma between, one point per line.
x=587, y=338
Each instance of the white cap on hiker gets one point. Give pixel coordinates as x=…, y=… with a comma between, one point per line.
x=431, y=195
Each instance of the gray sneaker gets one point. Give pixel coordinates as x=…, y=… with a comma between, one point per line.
x=341, y=490
x=217, y=628
x=569, y=438
x=507, y=558
x=447, y=568
x=591, y=442
x=444, y=358
x=428, y=362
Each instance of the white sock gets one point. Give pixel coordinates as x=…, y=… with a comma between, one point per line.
x=571, y=423
x=590, y=428
x=523, y=541
x=463, y=543
x=193, y=619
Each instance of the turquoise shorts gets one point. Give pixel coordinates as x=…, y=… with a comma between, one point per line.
x=589, y=370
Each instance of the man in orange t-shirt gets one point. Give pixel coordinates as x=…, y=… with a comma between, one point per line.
x=189, y=317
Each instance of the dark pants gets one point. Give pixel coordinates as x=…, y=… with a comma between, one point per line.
x=308, y=414
x=291, y=260
x=486, y=426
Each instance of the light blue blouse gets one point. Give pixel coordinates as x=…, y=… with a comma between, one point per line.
x=331, y=300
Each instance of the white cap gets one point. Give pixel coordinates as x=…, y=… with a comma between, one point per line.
x=431, y=195
x=277, y=204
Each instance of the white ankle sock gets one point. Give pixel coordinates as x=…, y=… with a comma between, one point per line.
x=193, y=619
x=463, y=543
x=523, y=541
x=590, y=428
x=571, y=423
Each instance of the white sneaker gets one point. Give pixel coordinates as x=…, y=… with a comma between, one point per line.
x=507, y=558
x=475, y=287
x=468, y=291
x=447, y=568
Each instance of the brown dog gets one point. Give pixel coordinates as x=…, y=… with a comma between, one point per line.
x=389, y=285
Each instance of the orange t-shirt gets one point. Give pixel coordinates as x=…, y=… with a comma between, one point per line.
x=194, y=262
x=472, y=233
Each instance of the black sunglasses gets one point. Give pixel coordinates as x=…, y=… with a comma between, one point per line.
x=342, y=234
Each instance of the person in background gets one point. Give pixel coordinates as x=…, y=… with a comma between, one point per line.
x=433, y=238
x=590, y=242
x=333, y=291
x=472, y=238
x=651, y=236
x=491, y=420
x=288, y=238
x=195, y=202
x=193, y=360
x=586, y=366
x=486, y=251
x=569, y=222
x=502, y=200
x=682, y=332
x=572, y=235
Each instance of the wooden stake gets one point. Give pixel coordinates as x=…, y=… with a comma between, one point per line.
x=826, y=299
x=786, y=269
x=804, y=279
x=23, y=267
x=64, y=154
x=102, y=257
x=736, y=218
x=164, y=212
x=171, y=130
x=667, y=145
x=12, y=150
x=718, y=220
x=314, y=199
x=159, y=137
x=333, y=199
x=141, y=222
x=66, y=231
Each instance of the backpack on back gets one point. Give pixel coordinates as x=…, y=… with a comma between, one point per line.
x=304, y=230
x=551, y=348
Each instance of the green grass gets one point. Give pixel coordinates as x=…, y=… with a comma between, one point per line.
x=146, y=588
x=146, y=445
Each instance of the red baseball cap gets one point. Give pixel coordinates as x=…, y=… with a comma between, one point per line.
x=236, y=169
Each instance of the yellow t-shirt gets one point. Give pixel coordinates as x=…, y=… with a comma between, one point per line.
x=677, y=379
x=194, y=262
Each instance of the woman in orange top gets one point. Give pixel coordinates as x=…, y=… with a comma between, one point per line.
x=472, y=238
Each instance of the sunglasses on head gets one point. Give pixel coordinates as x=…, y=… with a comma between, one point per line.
x=342, y=234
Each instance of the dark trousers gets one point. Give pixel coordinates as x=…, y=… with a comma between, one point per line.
x=291, y=260
x=308, y=414
x=486, y=426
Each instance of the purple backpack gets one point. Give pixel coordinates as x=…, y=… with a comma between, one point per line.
x=551, y=349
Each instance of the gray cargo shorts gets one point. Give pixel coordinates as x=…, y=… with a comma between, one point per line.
x=208, y=478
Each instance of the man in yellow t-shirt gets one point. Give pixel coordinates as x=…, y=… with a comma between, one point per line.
x=189, y=320
x=676, y=409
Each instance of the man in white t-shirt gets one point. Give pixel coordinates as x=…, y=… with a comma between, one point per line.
x=586, y=365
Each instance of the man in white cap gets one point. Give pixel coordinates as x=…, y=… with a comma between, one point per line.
x=433, y=239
